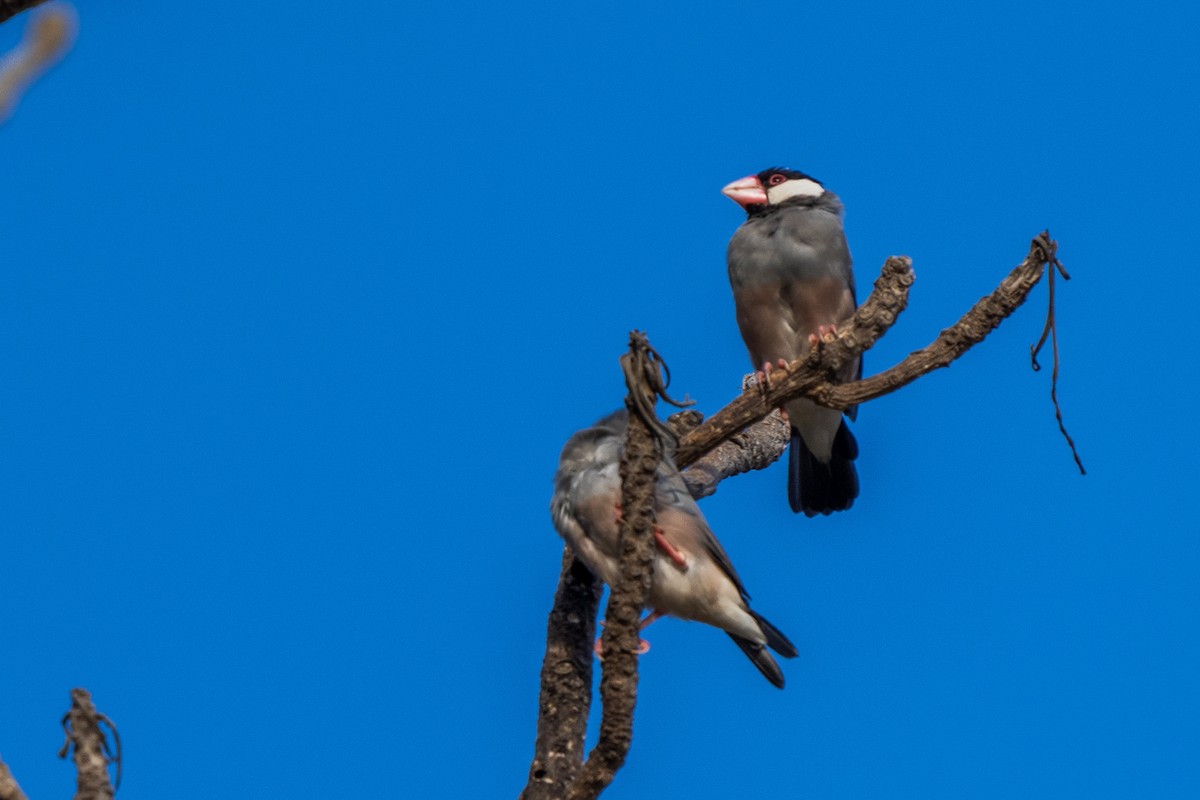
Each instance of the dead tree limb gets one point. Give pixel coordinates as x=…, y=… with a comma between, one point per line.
x=48, y=37
x=757, y=447
x=566, y=694
x=9, y=789
x=91, y=750
x=10, y=8
x=644, y=442
x=812, y=377
x=748, y=434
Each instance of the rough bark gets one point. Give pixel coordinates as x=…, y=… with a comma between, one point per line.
x=566, y=695
x=620, y=642
x=9, y=789
x=756, y=447
x=812, y=377
x=91, y=750
x=749, y=434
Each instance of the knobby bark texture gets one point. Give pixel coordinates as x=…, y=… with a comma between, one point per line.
x=9, y=789
x=749, y=434
x=812, y=377
x=566, y=695
x=638, y=470
x=757, y=447
x=48, y=37
x=92, y=753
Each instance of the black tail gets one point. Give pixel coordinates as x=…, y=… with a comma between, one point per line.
x=762, y=657
x=815, y=487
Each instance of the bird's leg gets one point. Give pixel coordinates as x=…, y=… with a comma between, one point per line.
x=663, y=543
x=657, y=613
x=672, y=552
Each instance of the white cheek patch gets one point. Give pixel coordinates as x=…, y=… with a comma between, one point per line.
x=801, y=187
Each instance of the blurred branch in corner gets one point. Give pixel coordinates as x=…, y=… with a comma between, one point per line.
x=49, y=34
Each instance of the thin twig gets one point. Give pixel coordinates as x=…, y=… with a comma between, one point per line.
x=1051, y=328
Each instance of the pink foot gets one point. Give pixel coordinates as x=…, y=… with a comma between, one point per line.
x=651, y=617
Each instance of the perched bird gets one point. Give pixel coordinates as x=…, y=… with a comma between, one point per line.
x=792, y=285
x=693, y=578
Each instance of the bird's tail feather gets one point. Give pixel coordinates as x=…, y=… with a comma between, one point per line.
x=775, y=638
x=759, y=654
x=816, y=487
x=762, y=658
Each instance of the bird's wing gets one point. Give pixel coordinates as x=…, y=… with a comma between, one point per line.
x=685, y=527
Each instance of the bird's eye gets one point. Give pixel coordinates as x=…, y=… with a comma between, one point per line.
x=776, y=179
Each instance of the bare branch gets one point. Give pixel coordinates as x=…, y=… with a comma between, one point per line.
x=812, y=377
x=984, y=317
x=638, y=470
x=748, y=434
x=92, y=753
x=48, y=37
x=804, y=377
x=757, y=447
x=566, y=694
x=9, y=790
x=10, y=8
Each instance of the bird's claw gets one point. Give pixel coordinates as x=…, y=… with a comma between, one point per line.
x=764, y=374
x=642, y=648
x=825, y=334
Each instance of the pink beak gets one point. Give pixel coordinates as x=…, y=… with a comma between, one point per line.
x=747, y=191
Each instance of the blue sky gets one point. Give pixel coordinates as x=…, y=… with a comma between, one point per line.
x=299, y=306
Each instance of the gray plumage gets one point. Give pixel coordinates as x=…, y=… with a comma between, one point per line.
x=587, y=492
x=791, y=274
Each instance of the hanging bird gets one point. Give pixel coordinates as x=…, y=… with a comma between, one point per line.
x=693, y=578
x=792, y=285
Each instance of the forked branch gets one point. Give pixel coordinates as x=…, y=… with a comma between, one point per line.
x=748, y=434
x=812, y=377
